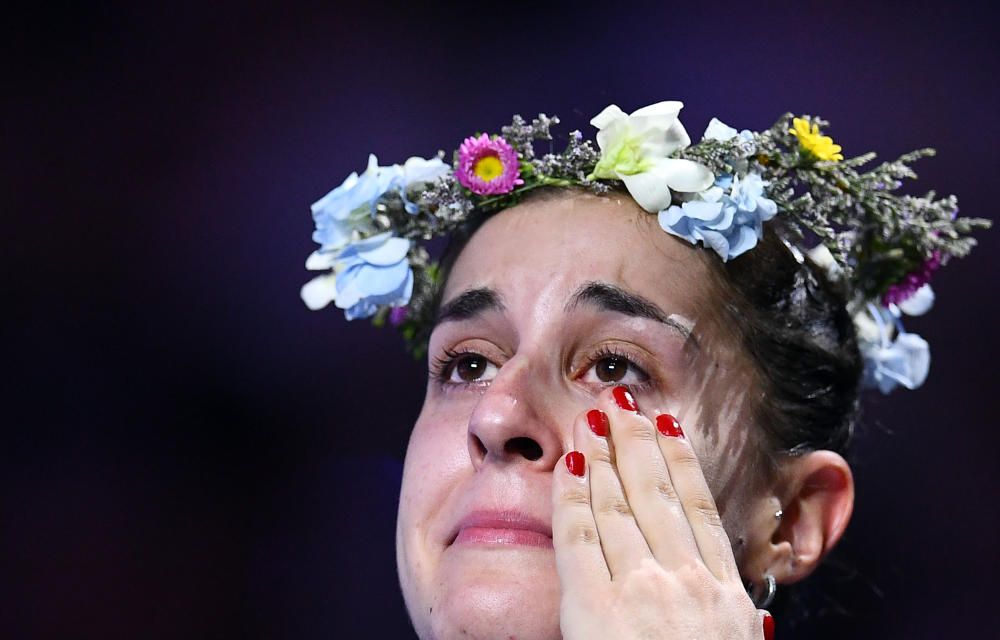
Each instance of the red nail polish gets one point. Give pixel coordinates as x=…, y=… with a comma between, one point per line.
x=598, y=421
x=768, y=626
x=668, y=426
x=624, y=398
x=575, y=463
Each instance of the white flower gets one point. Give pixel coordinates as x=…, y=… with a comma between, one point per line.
x=635, y=149
x=823, y=258
x=919, y=303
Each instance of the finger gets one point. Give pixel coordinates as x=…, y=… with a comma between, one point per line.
x=688, y=480
x=767, y=623
x=579, y=559
x=646, y=479
x=623, y=543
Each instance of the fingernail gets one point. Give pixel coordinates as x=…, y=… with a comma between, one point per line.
x=598, y=421
x=668, y=426
x=624, y=398
x=768, y=626
x=575, y=463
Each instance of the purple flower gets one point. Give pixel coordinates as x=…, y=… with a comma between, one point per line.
x=902, y=290
x=397, y=316
x=488, y=166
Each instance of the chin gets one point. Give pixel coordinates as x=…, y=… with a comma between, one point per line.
x=490, y=595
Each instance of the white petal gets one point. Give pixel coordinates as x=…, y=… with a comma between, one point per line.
x=604, y=118
x=718, y=130
x=677, y=137
x=686, y=175
x=661, y=139
x=867, y=329
x=660, y=130
x=649, y=189
x=666, y=109
x=321, y=260
x=919, y=303
x=418, y=169
x=610, y=134
x=320, y=291
x=823, y=258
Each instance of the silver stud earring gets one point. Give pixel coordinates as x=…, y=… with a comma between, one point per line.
x=778, y=514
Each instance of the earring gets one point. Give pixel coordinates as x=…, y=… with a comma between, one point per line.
x=770, y=586
x=778, y=514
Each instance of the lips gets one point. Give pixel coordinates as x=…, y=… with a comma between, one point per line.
x=502, y=528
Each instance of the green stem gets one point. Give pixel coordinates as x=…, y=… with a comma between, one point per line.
x=543, y=181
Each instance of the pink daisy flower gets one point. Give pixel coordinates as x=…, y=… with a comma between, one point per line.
x=488, y=166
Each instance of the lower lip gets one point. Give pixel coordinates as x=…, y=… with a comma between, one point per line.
x=503, y=537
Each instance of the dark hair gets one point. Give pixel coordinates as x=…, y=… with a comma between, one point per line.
x=796, y=328
x=793, y=323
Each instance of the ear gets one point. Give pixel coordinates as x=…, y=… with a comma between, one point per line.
x=816, y=498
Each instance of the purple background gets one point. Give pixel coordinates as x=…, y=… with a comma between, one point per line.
x=189, y=452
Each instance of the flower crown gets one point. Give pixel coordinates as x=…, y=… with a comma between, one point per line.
x=881, y=246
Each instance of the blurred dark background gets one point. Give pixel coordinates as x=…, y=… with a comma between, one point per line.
x=189, y=453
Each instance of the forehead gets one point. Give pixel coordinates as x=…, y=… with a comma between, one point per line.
x=538, y=253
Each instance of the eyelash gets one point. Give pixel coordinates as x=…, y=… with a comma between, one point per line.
x=442, y=366
x=613, y=351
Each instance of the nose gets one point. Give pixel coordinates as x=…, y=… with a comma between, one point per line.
x=513, y=421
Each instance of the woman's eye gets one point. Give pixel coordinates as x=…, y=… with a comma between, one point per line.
x=472, y=367
x=617, y=370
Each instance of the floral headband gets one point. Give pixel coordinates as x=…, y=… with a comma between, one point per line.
x=881, y=246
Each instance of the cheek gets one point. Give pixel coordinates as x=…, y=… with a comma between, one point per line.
x=437, y=459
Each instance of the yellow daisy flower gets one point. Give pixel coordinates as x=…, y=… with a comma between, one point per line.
x=820, y=146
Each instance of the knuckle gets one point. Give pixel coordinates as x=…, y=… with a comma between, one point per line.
x=704, y=508
x=639, y=429
x=576, y=496
x=684, y=459
x=614, y=506
x=601, y=455
x=581, y=533
x=664, y=489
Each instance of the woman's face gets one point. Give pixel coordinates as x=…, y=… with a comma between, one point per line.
x=549, y=303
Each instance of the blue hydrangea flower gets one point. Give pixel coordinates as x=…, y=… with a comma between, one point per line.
x=890, y=362
x=718, y=130
x=340, y=212
x=728, y=223
x=904, y=362
x=366, y=274
x=416, y=171
x=351, y=205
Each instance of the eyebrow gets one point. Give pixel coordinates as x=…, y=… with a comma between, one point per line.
x=603, y=295
x=609, y=297
x=470, y=303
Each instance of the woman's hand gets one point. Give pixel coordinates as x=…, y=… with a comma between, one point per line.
x=639, y=543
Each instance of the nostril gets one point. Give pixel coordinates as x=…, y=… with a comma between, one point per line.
x=479, y=447
x=524, y=447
